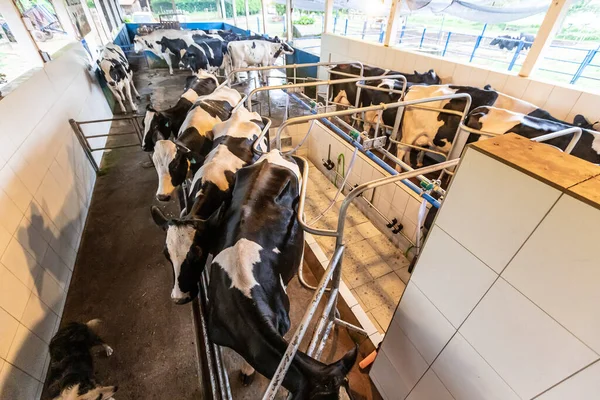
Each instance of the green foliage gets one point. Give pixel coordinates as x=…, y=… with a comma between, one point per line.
x=305, y=20
x=184, y=5
x=254, y=7
x=280, y=9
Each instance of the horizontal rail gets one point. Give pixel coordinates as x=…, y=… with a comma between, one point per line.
x=291, y=66
x=575, y=130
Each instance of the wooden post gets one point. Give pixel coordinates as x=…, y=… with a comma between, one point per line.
x=328, y=26
x=391, y=31
x=552, y=22
x=264, y=15
x=247, y=15
x=289, y=24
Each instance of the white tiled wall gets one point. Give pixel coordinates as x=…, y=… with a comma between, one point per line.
x=394, y=200
x=562, y=101
x=45, y=190
x=503, y=301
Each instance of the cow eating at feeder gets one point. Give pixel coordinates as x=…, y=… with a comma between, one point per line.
x=173, y=160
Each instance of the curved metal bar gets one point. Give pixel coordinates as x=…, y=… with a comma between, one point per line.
x=575, y=130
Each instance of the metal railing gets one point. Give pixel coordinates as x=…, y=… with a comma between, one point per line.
x=332, y=273
x=84, y=140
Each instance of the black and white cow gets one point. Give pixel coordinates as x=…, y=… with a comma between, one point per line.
x=204, y=54
x=165, y=43
x=500, y=121
x=582, y=122
x=345, y=93
x=509, y=42
x=161, y=125
x=258, y=249
x=262, y=53
x=172, y=162
x=116, y=71
x=211, y=188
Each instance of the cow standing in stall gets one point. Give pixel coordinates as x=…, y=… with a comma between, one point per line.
x=206, y=54
x=116, y=71
x=162, y=125
x=258, y=247
x=500, y=121
x=211, y=188
x=173, y=162
x=164, y=43
x=261, y=53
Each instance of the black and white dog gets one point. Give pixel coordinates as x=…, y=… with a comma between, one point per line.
x=71, y=375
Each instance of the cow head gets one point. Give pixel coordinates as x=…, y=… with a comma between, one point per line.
x=325, y=381
x=185, y=248
x=431, y=78
x=495, y=41
x=194, y=59
x=172, y=166
x=156, y=127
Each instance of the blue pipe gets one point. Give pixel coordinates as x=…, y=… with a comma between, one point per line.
x=434, y=202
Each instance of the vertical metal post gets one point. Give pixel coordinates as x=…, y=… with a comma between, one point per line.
x=586, y=61
x=422, y=37
x=402, y=33
x=223, y=10
x=83, y=142
x=346, y=28
x=247, y=7
x=446, y=45
x=328, y=17
x=381, y=32
x=364, y=29
x=289, y=23
x=516, y=56
x=234, y=10
x=334, y=23
x=477, y=43
x=264, y=14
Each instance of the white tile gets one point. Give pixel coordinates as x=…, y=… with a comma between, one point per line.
x=519, y=203
x=16, y=384
x=462, y=75
x=524, y=345
x=5, y=238
x=560, y=101
x=14, y=188
x=409, y=227
x=588, y=105
x=8, y=329
x=537, y=93
x=31, y=240
x=410, y=60
x=467, y=376
x=56, y=267
x=446, y=71
x=28, y=352
x=497, y=80
x=412, y=209
x=558, y=268
x=478, y=77
x=21, y=263
x=515, y=86
x=39, y=319
x=423, y=324
x=10, y=214
x=583, y=385
x=451, y=277
x=50, y=292
x=386, y=378
x=400, y=199
x=13, y=294
x=430, y=388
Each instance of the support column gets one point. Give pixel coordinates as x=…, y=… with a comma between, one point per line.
x=223, y=10
x=26, y=43
x=328, y=25
x=264, y=15
x=552, y=22
x=234, y=8
x=391, y=30
x=63, y=16
x=289, y=25
x=247, y=15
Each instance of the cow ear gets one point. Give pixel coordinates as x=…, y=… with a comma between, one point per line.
x=416, y=73
x=182, y=147
x=345, y=364
x=159, y=218
x=150, y=108
x=158, y=42
x=431, y=71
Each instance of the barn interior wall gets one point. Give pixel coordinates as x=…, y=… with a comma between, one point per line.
x=45, y=193
x=561, y=101
x=501, y=305
x=395, y=201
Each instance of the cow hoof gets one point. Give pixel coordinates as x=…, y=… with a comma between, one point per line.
x=247, y=379
x=138, y=97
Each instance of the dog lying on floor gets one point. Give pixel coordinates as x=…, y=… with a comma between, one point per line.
x=71, y=375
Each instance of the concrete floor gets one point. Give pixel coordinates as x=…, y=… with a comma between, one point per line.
x=122, y=277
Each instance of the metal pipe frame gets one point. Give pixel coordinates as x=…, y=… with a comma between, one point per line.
x=333, y=271
x=576, y=131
